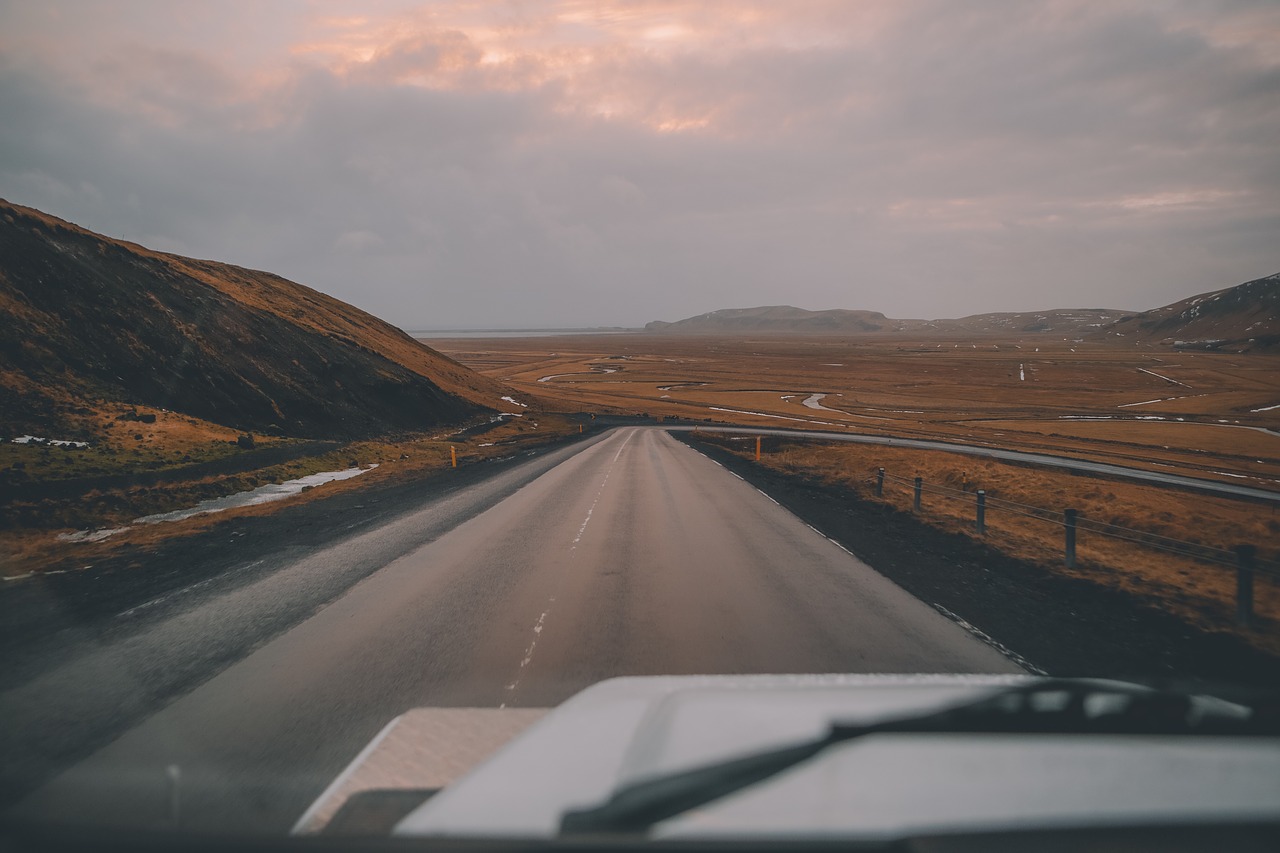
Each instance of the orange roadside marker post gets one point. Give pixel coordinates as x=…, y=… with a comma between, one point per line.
x=453, y=456
x=757, y=448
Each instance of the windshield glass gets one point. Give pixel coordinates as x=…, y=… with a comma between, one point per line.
x=435, y=362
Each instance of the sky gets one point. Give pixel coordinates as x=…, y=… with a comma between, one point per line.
x=578, y=163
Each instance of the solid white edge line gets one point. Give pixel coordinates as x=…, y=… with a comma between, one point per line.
x=991, y=641
x=842, y=548
x=346, y=774
x=977, y=632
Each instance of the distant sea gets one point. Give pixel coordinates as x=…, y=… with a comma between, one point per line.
x=513, y=333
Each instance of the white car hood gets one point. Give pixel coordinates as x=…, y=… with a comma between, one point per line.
x=627, y=729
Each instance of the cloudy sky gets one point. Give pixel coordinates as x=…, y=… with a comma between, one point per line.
x=518, y=164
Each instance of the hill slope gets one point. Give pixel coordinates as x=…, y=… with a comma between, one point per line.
x=1244, y=317
x=85, y=319
x=785, y=319
x=775, y=318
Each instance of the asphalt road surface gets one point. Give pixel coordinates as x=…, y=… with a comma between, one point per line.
x=629, y=555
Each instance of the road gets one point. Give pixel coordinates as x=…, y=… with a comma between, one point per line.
x=1065, y=463
x=632, y=554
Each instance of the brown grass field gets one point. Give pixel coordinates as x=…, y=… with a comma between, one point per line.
x=1198, y=416
x=1072, y=398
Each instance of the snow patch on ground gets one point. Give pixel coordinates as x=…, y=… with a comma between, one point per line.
x=764, y=415
x=1161, y=400
x=56, y=442
x=593, y=370
x=516, y=402
x=814, y=401
x=90, y=535
x=1165, y=378
x=253, y=497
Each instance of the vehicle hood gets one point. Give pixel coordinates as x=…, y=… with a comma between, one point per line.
x=628, y=729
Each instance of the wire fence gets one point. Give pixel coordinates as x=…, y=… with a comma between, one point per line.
x=1243, y=558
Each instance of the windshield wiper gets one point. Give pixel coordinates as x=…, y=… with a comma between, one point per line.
x=1042, y=708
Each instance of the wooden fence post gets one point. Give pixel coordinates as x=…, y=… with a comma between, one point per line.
x=916, y=504
x=880, y=483
x=982, y=512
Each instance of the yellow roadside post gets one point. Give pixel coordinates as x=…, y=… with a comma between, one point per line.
x=757, y=448
x=453, y=456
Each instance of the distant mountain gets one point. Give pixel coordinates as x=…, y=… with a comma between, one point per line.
x=784, y=319
x=775, y=318
x=85, y=318
x=1240, y=318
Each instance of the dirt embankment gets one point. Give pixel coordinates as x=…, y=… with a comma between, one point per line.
x=1066, y=626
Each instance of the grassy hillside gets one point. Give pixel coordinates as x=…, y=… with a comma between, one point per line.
x=1238, y=319
x=89, y=325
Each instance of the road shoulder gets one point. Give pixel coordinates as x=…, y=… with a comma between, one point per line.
x=1065, y=626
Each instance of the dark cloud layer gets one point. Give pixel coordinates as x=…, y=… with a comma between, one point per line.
x=924, y=160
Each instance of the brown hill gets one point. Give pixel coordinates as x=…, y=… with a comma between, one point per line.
x=774, y=318
x=1241, y=318
x=784, y=319
x=85, y=319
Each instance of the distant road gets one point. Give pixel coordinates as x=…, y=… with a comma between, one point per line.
x=628, y=554
x=1065, y=463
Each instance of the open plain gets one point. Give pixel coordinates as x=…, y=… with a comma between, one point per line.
x=1213, y=415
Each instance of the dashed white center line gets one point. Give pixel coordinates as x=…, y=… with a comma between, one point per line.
x=599, y=492
x=528, y=653
x=542, y=619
